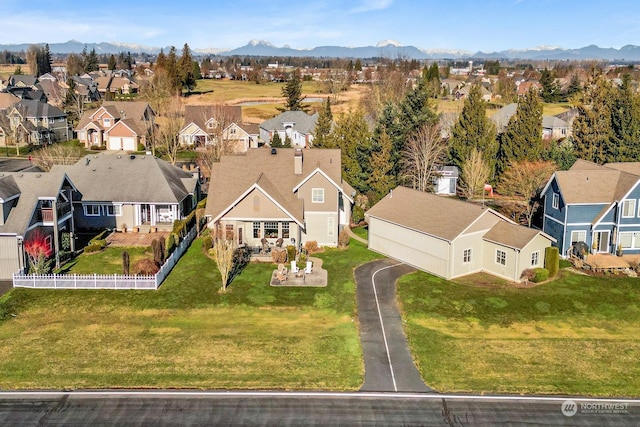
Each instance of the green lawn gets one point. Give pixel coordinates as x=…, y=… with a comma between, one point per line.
x=188, y=334
x=575, y=335
x=107, y=261
x=227, y=90
x=361, y=232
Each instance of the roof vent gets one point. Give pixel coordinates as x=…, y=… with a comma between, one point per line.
x=274, y=151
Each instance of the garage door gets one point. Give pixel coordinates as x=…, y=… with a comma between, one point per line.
x=122, y=143
x=409, y=246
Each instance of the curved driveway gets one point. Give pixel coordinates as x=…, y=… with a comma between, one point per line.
x=387, y=361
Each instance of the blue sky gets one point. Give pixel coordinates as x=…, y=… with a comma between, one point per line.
x=490, y=25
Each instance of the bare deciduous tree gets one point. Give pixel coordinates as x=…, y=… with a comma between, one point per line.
x=170, y=125
x=387, y=87
x=424, y=152
x=223, y=254
x=56, y=154
x=216, y=118
x=475, y=174
x=523, y=181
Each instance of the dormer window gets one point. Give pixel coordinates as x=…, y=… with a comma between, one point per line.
x=106, y=122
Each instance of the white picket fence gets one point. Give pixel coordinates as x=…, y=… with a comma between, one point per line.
x=104, y=281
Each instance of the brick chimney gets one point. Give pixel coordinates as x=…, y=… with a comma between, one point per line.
x=297, y=161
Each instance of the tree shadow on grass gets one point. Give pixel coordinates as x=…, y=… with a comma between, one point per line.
x=241, y=258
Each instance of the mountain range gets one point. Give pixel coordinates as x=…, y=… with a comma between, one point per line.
x=387, y=48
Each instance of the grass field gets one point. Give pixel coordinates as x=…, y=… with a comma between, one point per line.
x=187, y=334
x=576, y=335
x=107, y=261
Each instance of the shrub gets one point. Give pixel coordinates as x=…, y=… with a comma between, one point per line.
x=207, y=243
x=303, y=257
x=528, y=274
x=552, y=260
x=171, y=243
x=92, y=248
x=541, y=275
x=279, y=257
x=291, y=252
x=343, y=238
x=158, y=252
x=145, y=267
x=179, y=227
x=357, y=215
x=311, y=246
x=126, y=263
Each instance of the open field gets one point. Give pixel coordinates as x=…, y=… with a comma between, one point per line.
x=576, y=335
x=187, y=334
x=8, y=69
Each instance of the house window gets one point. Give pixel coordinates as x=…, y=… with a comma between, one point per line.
x=317, y=195
x=256, y=203
x=578, y=236
x=466, y=256
x=113, y=210
x=626, y=240
x=331, y=226
x=285, y=230
x=501, y=257
x=92, y=210
x=106, y=122
x=228, y=231
x=48, y=242
x=535, y=259
x=232, y=131
x=61, y=120
x=556, y=201
x=256, y=230
x=629, y=208
x=271, y=230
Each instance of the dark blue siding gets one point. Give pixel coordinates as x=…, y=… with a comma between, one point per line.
x=584, y=213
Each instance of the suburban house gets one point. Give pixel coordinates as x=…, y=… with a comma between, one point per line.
x=239, y=137
x=37, y=122
x=33, y=205
x=553, y=127
x=596, y=205
x=129, y=192
x=202, y=123
x=291, y=194
x=117, y=125
x=298, y=126
x=451, y=238
x=463, y=92
x=110, y=85
x=523, y=87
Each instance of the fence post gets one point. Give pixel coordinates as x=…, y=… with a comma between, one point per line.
x=75, y=281
x=115, y=281
x=95, y=281
x=55, y=282
x=34, y=281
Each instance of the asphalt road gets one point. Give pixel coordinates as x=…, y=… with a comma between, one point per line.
x=298, y=409
x=388, y=365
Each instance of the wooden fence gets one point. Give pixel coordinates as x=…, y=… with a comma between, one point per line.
x=105, y=281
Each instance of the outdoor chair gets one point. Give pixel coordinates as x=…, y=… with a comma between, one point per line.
x=308, y=269
x=279, y=242
x=281, y=274
x=294, y=267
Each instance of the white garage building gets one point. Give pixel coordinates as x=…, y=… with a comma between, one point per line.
x=451, y=238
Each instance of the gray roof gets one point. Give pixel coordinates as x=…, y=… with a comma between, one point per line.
x=302, y=122
x=438, y=216
x=502, y=116
x=8, y=187
x=31, y=108
x=553, y=122
x=201, y=114
x=32, y=186
x=511, y=235
x=129, y=179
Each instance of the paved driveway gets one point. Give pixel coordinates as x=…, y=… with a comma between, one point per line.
x=387, y=361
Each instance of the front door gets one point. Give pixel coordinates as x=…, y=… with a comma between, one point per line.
x=601, y=241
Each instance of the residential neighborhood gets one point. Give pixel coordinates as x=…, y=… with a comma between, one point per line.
x=180, y=219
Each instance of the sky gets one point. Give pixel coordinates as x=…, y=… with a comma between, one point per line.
x=470, y=25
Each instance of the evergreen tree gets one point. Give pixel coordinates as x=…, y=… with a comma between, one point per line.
x=574, y=85
x=625, y=121
x=287, y=142
x=592, y=129
x=161, y=60
x=550, y=89
x=473, y=131
x=172, y=69
x=111, y=64
x=292, y=91
x=46, y=60
x=197, y=74
x=323, y=127
x=380, y=181
x=351, y=134
x=90, y=60
x=276, y=141
x=185, y=69
x=522, y=138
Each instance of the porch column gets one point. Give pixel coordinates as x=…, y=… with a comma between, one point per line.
x=153, y=219
x=56, y=237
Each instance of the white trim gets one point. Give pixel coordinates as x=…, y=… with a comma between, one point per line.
x=313, y=195
x=537, y=256
x=498, y=259
x=318, y=170
x=554, y=219
x=86, y=212
x=464, y=255
x=628, y=202
x=555, y=202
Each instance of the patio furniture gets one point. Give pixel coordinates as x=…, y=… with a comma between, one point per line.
x=308, y=269
x=294, y=267
x=279, y=242
x=281, y=274
x=265, y=246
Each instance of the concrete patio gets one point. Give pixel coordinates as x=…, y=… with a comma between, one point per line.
x=317, y=278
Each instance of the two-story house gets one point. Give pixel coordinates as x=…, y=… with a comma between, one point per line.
x=203, y=124
x=597, y=205
x=291, y=194
x=33, y=205
x=117, y=125
x=298, y=126
x=38, y=122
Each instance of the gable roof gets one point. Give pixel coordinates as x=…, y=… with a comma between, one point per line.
x=7, y=100
x=129, y=179
x=502, y=116
x=553, y=122
x=511, y=235
x=234, y=175
x=302, y=122
x=31, y=186
x=201, y=114
x=32, y=108
x=438, y=216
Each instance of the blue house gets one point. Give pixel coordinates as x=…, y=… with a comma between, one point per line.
x=597, y=205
